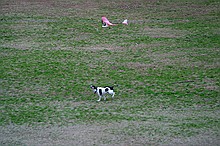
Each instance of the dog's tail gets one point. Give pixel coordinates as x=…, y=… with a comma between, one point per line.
x=112, y=87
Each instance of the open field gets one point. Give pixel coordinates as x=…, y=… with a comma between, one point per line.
x=165, y=63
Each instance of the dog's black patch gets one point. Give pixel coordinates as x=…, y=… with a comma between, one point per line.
x=111, y=87
x=106, y=89
x=100, y=92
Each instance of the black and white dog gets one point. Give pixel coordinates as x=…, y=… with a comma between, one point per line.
x=101, y=91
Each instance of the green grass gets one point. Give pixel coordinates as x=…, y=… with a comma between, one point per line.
x=165, y=59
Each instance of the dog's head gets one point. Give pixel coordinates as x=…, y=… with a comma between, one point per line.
x=94, y=88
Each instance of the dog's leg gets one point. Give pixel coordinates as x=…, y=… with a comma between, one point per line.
x=99, y=98
x=104, y=97
x=113, y=94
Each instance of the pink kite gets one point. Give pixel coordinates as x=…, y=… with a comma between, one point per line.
x=106, y=22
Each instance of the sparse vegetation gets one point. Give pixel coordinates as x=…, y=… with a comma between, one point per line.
x=165, y=63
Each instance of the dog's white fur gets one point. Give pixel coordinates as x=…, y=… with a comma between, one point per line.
x=101, y=91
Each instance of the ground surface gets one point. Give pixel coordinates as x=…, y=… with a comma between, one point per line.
x=165, y=65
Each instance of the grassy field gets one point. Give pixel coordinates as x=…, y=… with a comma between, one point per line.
x=165, y=63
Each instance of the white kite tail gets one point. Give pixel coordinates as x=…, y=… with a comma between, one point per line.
x=125, y=22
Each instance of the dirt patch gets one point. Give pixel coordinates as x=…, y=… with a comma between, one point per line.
x=20, y=45
x=122, y=133
x=104, y=47
x=201, y=139
x=140, y=66
x=160, y=59
x=50, y=8
x=71, y=135
x=164, y=32
x=209, y=84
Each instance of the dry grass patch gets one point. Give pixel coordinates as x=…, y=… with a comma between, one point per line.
x=140, y=66
x=165, y=63
x=105, y=47
x=160, y=60
x=164, y=32
x=162, y=127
